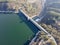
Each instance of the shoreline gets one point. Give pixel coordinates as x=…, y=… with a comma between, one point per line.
x=41, y=28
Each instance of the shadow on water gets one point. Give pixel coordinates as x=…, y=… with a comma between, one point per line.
x=33, y=28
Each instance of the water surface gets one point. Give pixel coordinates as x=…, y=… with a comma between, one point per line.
x=13, y=30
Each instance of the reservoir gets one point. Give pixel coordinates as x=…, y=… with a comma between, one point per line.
x=15, y=29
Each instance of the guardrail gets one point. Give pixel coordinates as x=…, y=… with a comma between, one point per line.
x=8, y=11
